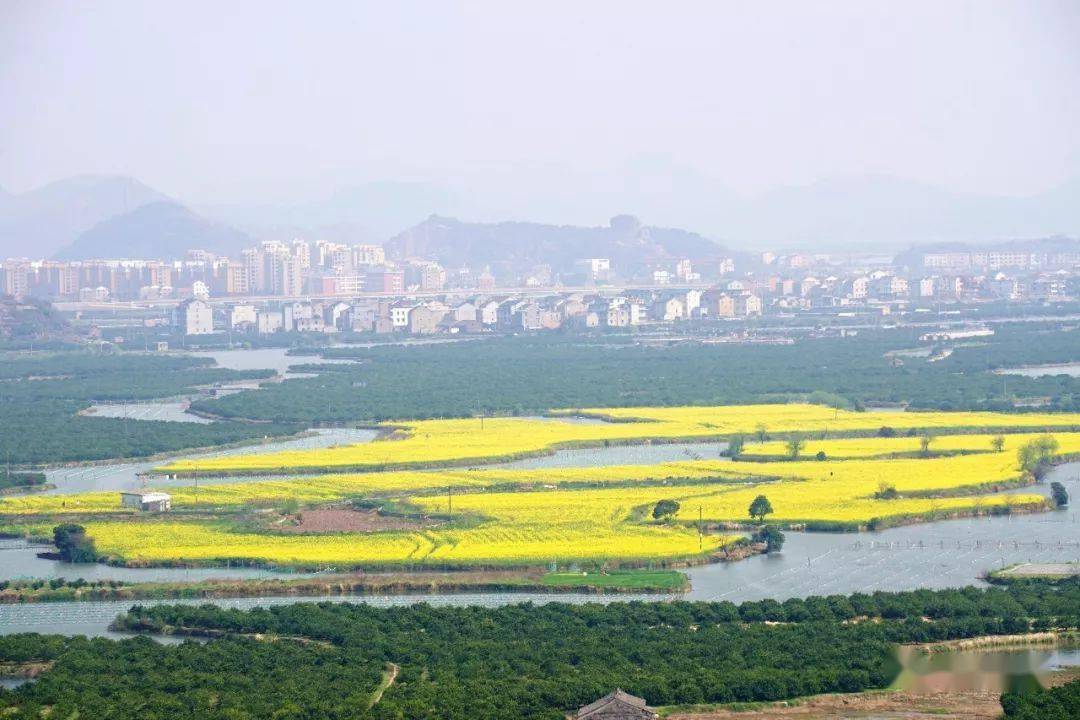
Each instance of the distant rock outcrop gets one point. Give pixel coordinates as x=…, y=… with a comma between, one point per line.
x=521, y=245
x=163, y=230
x=30, y=319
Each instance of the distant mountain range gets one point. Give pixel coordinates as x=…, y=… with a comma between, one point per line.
x=518, y=246
x=878, y=213
x=90, y=216
x=367, y=213
x=94, y=216
x=41, y=222
x=158, y=230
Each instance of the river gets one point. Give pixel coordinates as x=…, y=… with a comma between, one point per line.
x=125, y=475
x=952, y=553
x=943, y=554
x=1071, y=369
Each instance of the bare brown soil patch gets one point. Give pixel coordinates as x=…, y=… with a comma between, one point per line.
x=330, y=520
x=864, y=706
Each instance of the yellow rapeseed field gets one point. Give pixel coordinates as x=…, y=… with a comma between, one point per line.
x=843, y=491
x=867, y=447
x=434, y=442
x=526, y=528
x=531, y=516
x=313, y=489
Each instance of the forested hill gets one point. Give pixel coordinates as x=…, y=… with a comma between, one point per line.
x=518, y=246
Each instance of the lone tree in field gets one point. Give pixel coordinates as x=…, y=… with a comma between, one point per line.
x=795, y=445
x=924, y=443
x=1034, y=455
x=760, y=508
x=762, y=432
x=735, y=446
x=665, y=510
x=998, y=443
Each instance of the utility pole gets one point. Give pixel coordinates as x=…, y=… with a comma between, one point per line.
x=699, y=541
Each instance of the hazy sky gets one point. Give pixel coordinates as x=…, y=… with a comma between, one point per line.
x=251, y=101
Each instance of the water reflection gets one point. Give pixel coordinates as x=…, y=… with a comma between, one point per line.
x=161, y=411
x=646, y=454
x=951, y=553
x=19, y=560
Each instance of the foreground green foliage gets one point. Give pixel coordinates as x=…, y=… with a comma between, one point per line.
x=1060, y=703
x=521, y=661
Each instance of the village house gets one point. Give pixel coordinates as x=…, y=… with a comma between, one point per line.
x=465, y=312
x=399, y=315
x=668, y=309
x=425, y=319
x=617, y=705
x=489, y=313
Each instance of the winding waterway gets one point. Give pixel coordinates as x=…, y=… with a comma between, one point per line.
x=952, y=553
x=944, y=554
x=125, y=476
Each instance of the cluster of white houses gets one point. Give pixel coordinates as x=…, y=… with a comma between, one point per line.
x=471, y=314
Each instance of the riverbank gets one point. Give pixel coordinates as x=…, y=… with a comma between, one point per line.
x=1000, y=642
x=530, y=581
x=1022, y=572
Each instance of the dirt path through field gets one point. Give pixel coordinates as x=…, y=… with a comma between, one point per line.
x=389, y=676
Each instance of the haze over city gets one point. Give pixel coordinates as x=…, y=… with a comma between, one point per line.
x=488, y=360
x=722, y=118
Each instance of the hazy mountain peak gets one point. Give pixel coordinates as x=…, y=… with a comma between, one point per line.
x=163, y=230
x=39, y=222
x=520, y=246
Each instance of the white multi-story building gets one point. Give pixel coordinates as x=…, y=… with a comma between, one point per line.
x=369, y=255
x=594, y=268
x=194, y=317
x=399, y=315
x=16, y=277
x=301, y=249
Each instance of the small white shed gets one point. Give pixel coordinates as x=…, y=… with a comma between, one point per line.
x=150, y=500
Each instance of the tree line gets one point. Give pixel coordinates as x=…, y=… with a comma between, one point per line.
x=521, y=661
x=524, y=375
